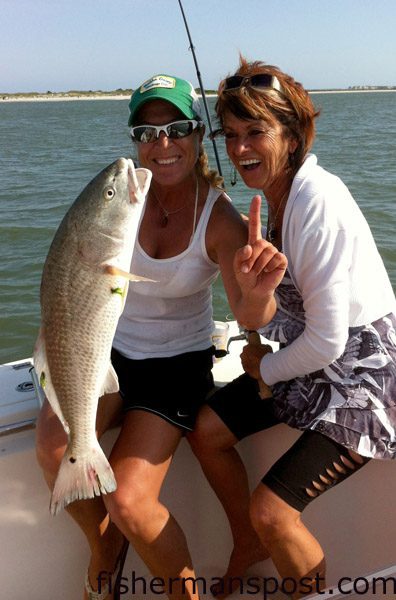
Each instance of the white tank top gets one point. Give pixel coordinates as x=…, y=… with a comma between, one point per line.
x=174, y=314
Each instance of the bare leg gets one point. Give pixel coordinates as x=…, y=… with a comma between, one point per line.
x=213, y=444
x=140, y=459
x=295, y=552
x=104, y=539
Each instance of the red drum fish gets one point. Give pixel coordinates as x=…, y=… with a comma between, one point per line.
x=83, y=289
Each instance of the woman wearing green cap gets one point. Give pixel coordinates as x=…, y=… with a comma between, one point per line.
x=162, y=349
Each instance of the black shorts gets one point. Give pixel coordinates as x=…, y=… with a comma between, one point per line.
x=174, y=387
x=312, y=458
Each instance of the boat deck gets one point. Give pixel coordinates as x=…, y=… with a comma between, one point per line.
x=46, y=557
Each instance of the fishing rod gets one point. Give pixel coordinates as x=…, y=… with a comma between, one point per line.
x=202, y=89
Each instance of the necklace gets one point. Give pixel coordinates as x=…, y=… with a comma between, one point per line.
x=272, y=231
x=166, y=213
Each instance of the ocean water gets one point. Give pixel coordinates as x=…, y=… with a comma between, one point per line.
x=50, y=150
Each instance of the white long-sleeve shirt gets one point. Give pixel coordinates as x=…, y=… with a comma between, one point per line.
x=335, y=265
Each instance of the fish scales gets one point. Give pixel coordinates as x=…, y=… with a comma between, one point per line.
x=84, y=283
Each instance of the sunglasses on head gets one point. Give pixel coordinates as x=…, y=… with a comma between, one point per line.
x=175, y=130
x=261, y=81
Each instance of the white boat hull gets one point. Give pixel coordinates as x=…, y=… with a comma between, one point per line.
x=46, y=557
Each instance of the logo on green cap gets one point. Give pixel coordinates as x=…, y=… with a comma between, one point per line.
x=158, y=81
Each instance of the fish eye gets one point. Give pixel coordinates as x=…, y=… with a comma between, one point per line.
x=109, y=193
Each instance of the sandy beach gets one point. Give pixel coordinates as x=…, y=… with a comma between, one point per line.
x=69, y=97
x=61, y=97
x=351, y=91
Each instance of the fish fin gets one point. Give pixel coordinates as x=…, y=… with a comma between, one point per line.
x=111, y=270
x=110, y=384
x=41, y=367
x=82, y=477
x=133, y=277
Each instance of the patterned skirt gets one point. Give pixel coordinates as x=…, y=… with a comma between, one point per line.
x=353, y=400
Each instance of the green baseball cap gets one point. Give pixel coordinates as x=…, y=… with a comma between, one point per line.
x=178, y=92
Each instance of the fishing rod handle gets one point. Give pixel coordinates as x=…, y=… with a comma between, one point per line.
x=264, y=389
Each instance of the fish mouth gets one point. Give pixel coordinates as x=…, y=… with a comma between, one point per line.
x=133, y=183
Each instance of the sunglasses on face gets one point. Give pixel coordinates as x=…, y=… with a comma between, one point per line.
x=175, y=130
x=261, y=81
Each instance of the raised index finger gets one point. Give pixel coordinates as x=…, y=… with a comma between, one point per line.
x=255, y=220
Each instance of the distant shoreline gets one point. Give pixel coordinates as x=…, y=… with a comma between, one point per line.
x=70, y=97
x=61, y=97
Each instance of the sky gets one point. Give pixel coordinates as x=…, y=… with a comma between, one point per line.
x=62, y=45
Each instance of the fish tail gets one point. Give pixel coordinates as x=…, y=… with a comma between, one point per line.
x=82, y=477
